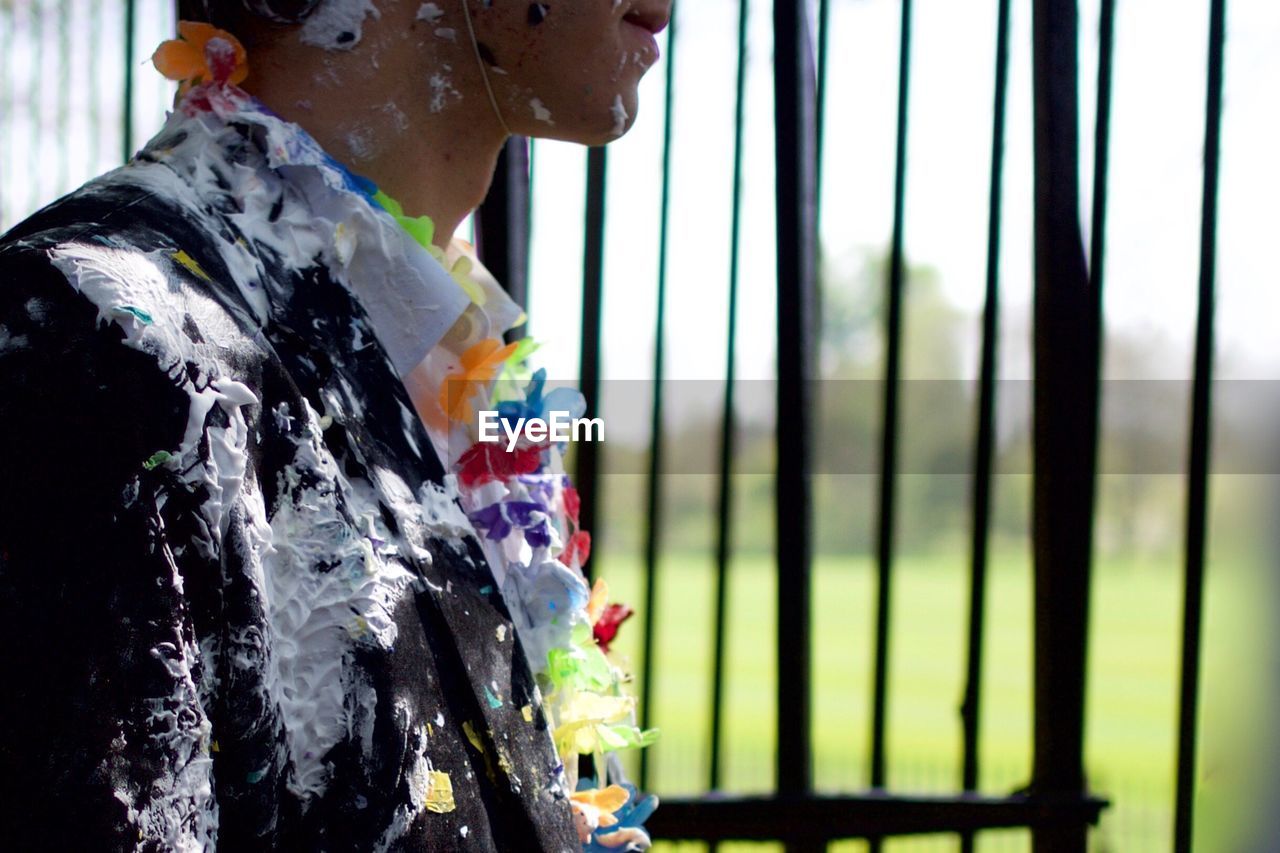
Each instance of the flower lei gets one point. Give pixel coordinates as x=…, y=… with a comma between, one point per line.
x=528, y=512
x=520, y=501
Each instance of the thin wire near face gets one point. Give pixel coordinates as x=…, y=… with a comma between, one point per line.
x=484, y=72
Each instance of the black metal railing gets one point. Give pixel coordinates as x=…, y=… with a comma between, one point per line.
x=984, y=449
x=1198, y=473
x=1055, y=805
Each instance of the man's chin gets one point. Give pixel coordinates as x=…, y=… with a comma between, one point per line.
x=596, y=134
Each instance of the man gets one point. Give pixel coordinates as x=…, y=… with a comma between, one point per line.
x=247, y=609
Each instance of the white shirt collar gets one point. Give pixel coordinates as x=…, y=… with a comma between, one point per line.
x=410, y=299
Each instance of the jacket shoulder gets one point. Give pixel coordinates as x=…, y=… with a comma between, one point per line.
x=72, y=391
x=114, y=332
x=85, y=543
x=143, y=222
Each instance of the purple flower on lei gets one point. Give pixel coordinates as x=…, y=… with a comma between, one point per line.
x=541, y=487
x=499, y=519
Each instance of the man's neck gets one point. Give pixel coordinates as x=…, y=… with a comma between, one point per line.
x=432, y=146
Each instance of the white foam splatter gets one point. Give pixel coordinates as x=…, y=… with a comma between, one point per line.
x=360, y=142
x=313, y=618
x=430, y=13
x=419, y=779
x=337, y=24
x=121, y=283
x=10, y=341
x=620, y=116
x=314, y=615
x=441, y=91
x=398, y=116
x=540, y=112
x=180, y=807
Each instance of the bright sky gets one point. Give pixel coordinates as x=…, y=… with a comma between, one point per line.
x=1155, y=188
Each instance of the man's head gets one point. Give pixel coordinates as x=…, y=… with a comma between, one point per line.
x=562, y=69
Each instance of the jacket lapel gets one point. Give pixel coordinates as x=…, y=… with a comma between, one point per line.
x=325, y=340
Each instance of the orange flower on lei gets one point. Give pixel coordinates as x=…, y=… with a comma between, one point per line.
x=202, y=54
x=480, y=364
x=594, y=809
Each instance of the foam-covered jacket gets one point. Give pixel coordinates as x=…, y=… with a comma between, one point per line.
x=242, y=610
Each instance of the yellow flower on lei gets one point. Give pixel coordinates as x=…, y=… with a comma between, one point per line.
x=587, y=723
x=423, y=230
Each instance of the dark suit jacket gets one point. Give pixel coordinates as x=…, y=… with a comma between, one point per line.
x=235, y=613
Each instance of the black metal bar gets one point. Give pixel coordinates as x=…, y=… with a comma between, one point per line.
x=7, y=103
x=971, y=706
x=1201, y=424
x=502, y=223
x=64, y=102
x=889, y=430
x=1068, y=321
x=94, y=106
x=796, y=178
x=653, y=514
x=35, y=101
x=587, y=462
x=824, y=60
x=724, y=506
x=817, y=819
x=1102, y=146
x=130, y=60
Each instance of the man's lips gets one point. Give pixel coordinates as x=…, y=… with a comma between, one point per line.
x=653, y=19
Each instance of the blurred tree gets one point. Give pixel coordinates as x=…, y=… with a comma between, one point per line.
x=1143, y=433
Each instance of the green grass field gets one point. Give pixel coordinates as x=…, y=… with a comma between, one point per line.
x=1132, y=685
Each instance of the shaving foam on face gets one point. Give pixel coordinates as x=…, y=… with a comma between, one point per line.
x=337, y=24
x=540, y=112
x=620, y=116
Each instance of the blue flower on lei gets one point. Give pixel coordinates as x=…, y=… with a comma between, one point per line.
x=536, y=405
x=628, y=833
